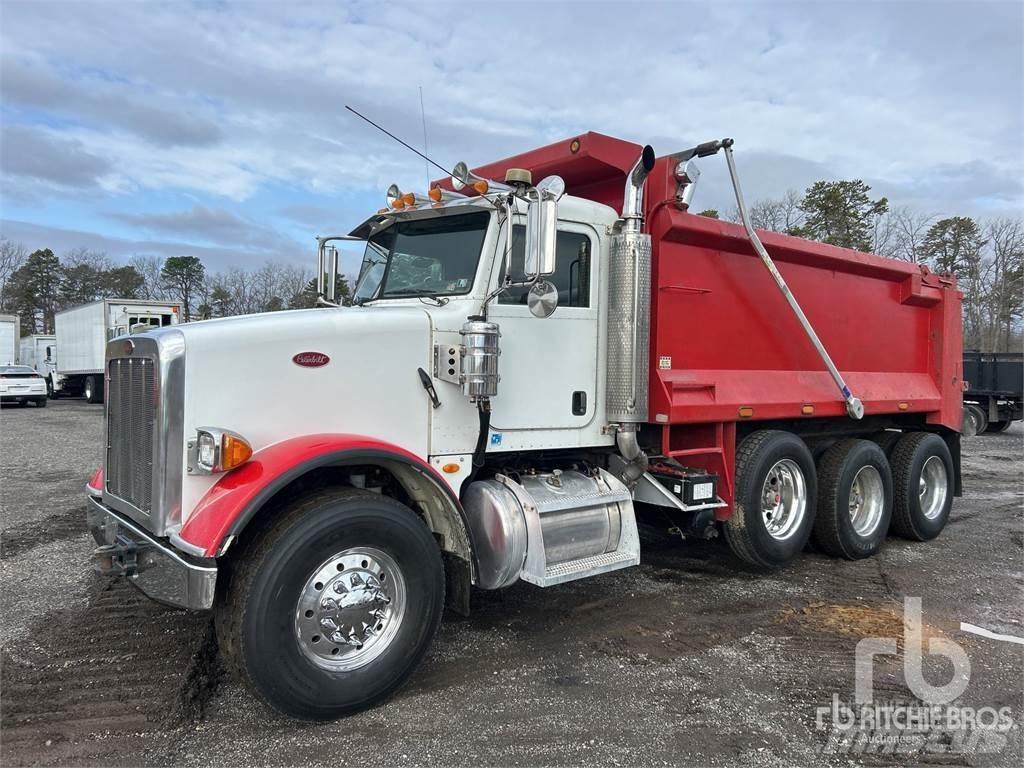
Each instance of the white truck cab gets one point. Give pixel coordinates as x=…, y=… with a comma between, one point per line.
x=386, y=403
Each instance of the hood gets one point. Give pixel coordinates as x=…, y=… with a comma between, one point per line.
x=273, y=376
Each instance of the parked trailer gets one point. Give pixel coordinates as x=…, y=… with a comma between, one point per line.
x=39, y=352
x=83, y=333
x=10, y=333
x=653, y=363
x=995, y=389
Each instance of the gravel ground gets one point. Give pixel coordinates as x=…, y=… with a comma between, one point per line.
x=688, y=658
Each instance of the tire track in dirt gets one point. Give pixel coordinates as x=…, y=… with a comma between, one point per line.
x=22, y=537
x=110, y=684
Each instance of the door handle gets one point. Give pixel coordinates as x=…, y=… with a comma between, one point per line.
x=579, y=403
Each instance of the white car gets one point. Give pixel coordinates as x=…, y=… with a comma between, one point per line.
x=20, y=384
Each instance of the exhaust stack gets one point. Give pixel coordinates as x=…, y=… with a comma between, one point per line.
x=633, y=198
x=629, y=304
x=629, y=309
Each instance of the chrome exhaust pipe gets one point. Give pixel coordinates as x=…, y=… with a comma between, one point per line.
x=626, y=440
x=633, y=197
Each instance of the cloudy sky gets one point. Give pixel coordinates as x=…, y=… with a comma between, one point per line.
x=218, y=128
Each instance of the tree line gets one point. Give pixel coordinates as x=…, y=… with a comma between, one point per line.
x=987, y=256
x=39, y=284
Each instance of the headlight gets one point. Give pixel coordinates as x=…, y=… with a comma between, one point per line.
x=207, y=454
x=217, y=450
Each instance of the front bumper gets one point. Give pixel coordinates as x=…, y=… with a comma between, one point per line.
x=160, y=571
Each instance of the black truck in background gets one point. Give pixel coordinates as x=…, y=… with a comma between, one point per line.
x=995, y=391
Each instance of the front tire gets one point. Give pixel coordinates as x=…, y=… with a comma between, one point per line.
x=922, y=473
x=854, y=499
x=93, y=391
x=776, y=493
x=41, y=402
x=331, y=609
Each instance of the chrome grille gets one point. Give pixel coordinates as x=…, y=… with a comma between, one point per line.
x=132, y=397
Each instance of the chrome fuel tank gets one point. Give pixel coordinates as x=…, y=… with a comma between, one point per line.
x=578, y=516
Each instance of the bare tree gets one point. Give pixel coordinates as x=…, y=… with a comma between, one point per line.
x=84, y=257
x=767, y=214
x=1004, y=280
x=782, y=215
x=152, y=284
x=909, y=228
x=270, y=288
x=883, y=235
x=12, y=258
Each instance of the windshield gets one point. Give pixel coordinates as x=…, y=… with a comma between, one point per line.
x=423, y=257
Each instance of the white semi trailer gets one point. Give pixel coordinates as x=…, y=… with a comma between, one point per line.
x=82, y=336
x=10, y=330
x=39, y=352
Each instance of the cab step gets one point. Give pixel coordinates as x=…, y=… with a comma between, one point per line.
x=584, y=567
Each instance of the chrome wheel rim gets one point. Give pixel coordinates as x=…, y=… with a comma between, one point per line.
x=867, y=500
x=350, y=609
x=783, y=499
x=933, y=486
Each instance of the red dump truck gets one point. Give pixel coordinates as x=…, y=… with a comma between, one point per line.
x=539, y=351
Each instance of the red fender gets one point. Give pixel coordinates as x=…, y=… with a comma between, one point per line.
x=228, y=505
x=95, y=484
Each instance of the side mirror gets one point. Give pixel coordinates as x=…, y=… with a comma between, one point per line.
x=327, y=265
x=542, y=226
x=330, y=275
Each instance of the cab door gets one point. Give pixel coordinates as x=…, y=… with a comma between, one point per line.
x=548, y=366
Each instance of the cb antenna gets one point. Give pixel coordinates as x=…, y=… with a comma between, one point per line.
x=407, y=146
x=423, y=115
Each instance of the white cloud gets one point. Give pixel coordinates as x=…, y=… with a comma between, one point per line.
x=898, y=94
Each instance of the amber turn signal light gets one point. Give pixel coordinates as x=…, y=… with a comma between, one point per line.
x=234, y=451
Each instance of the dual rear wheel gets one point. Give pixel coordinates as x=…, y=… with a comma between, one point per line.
x=858, y=492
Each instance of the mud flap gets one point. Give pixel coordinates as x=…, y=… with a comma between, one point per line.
x=458, y=578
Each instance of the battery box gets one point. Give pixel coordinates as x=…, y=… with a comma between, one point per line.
x=691, y=486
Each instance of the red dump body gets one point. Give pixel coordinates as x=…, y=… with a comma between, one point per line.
x=725, y=346
x=722, y=336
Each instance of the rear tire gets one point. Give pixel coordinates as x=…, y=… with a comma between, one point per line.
x=41, y=402
x=283, y=622
x=776, y=493
x=854, y=499
x=922, y=473
x=980, y=418
x=887, y=440
x=998, y=426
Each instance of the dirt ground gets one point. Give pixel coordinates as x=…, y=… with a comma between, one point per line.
x=686, y=659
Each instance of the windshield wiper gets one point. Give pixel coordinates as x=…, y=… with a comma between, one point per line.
x=417, y=292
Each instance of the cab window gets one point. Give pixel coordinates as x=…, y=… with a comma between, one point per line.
x=572, y=275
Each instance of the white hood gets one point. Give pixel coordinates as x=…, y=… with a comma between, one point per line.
x=240, y=375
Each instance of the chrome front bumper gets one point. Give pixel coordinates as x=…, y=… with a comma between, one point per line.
x=159, y=570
